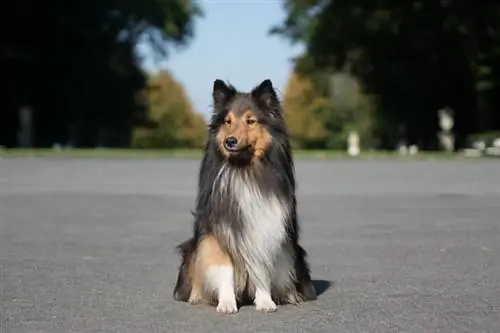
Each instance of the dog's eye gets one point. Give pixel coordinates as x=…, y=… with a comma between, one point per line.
x=228, y=121
x=251, y=121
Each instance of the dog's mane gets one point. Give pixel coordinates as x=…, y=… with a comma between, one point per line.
x=274, y=172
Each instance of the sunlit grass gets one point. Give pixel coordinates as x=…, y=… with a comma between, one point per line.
x=196, y=154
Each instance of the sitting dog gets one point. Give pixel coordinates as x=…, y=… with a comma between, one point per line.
x=245, y=242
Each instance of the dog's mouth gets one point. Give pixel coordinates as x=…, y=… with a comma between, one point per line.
x=240, y=155
x=237, y=150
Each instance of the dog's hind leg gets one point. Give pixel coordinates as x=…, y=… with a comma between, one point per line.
x=291, y=280
x=283, y=280
x=214, y=275
x=183, y=286
x=304, y=283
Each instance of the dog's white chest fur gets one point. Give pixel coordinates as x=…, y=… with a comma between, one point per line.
x=264, y=229
x=264, y=218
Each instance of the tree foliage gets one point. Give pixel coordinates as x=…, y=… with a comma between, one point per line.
x=303, y=108
x=415, y=57
x=176, y=124
x=75, y=64
x=323, y=118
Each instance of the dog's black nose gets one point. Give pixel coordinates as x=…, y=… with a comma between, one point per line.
x=230, y=142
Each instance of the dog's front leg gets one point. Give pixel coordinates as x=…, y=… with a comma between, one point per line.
x=262, y=282
x=215, y=274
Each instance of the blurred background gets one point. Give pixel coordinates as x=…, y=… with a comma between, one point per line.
x=371, y=75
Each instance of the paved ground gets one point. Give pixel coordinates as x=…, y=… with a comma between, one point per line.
x=395, y=246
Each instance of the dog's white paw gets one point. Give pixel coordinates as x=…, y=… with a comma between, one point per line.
x=265, y=305
x=227, y=306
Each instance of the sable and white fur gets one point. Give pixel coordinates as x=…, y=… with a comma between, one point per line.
x=244, y=246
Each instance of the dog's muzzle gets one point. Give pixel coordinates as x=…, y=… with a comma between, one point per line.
x=232, y=145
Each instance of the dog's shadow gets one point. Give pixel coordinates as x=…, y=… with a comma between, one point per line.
x=321, y=286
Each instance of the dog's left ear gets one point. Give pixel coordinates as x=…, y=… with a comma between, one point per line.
x=265, y=95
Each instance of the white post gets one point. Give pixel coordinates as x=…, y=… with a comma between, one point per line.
x=446, y=123
x=353, y=143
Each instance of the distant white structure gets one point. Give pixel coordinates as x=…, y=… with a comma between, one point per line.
x=494, y=150
x=479, y=145
x=476, y=150
x=402, y=147
x=413, y=150
x=496, y=143
x=480, y=148
x=446, y=123
x=353, y=143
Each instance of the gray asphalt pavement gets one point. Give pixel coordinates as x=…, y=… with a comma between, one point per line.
x=87, y=245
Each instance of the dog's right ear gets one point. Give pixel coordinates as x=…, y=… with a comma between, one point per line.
x=221, y=94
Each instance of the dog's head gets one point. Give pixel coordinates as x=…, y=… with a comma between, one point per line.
x=243, y=123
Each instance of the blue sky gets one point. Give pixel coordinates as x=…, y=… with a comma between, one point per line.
x=231, y=43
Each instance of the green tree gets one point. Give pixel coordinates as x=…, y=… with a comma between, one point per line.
x=176, y=124
x=76, y=64
x=322, y=118
x=414, y=57
x=302, y=107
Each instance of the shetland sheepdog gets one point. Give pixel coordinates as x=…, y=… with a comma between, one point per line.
x=245, y=242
